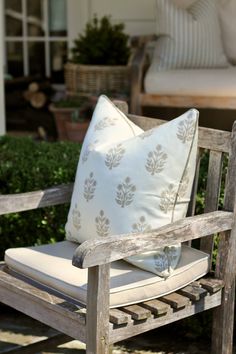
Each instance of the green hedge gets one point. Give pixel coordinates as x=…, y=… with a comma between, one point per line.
x=27, y=165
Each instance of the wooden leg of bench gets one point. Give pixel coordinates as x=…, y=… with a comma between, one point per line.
x=223, y=323
x=97, y=317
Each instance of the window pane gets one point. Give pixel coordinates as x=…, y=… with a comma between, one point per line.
x=13, y=18
x=14, y=58
x=57, y=18
x=36, y=58
x=58, y=58
x=35, y=24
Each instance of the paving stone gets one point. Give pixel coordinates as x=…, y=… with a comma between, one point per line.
x=17, y=329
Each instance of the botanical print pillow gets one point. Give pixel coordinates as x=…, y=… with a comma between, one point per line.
x=188, y=38
x=130, y=181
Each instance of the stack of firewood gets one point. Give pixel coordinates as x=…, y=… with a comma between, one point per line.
x=38, y=93
x=27, y=100
x=28, y=90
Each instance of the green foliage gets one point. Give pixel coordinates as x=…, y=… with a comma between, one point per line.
x=101, y=44
x=27, y=165
x=202, y=184
x=70, y=102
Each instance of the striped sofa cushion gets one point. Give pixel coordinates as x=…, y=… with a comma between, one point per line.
x=189, y=38
x=227, y=12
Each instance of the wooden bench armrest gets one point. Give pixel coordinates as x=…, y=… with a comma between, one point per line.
x=12, y=203
x=105, y=250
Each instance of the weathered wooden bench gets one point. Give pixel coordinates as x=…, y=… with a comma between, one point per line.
x=97, y=325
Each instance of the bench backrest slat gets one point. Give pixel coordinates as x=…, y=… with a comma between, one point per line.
x=212, y=193
x=14, y=203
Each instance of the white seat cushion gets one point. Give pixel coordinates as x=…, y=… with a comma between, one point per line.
x=191, y=82
x=51, y=265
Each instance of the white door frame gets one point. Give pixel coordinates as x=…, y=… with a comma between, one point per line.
x=78, y=15
x=2, y=100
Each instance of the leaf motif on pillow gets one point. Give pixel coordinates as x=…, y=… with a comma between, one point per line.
x=105, y=123
x=89, y=187
x=88, y=150
x=156, y=160
x=102, y=224
x=184, y=184
x=114, y=156
x=141, y=225
x=125, y=193
x=163, y=260
x=168, y=199
x=186, y=130
x=76, y=218
x=146, y=134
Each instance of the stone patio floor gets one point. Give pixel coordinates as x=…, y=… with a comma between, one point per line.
x=17, y=329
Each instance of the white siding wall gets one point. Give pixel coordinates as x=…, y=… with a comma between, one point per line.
x=137, y=15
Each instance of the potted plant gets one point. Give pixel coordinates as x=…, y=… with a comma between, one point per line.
x=100, y=58
x=72, y=117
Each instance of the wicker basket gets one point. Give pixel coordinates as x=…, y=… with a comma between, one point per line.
x=96, y=79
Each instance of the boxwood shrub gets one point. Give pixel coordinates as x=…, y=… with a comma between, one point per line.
x=28, y=165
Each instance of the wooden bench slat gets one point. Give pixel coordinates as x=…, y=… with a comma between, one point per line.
x=13, y=203
x=132, y=329
x=137, y=312
x=211, y=139
x=212, y=194
x=157, y=307
x=193, y=292
x=212, y=285
x=119, y=317
x=176, y=300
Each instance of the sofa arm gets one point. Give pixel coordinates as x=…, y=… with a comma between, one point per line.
x=137, y=66
x=105, y=250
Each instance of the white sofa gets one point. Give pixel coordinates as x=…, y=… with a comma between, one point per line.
x=174, y=81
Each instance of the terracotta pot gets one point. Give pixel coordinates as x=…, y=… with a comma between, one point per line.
x=61, y=116
x=76, y=130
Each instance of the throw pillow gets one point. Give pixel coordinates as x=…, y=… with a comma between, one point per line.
x=184, y=3
x=227, y=13
x=188, y=38
x=132, y=181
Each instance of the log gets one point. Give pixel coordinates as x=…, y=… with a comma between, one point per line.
x=44, y=86
x=38, y=100
x=33, y=87
x=28, y=95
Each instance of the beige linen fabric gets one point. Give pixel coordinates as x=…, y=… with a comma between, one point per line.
x=51, y=266
x=188, y=38
x=192, y=82
x=227, y=14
